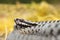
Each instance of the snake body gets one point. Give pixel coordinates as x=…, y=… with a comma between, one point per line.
x=43, y=30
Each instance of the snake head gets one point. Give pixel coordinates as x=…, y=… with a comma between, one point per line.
x=21, y=23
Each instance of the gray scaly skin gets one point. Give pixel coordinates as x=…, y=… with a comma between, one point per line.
x=43, y=30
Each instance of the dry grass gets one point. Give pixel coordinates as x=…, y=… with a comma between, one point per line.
x=33, y=12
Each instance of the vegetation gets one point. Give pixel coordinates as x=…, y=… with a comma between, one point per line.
x=27, y=1
x=33, y=12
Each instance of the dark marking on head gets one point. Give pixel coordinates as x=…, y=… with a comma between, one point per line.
x=16, y=19
x=21, y=20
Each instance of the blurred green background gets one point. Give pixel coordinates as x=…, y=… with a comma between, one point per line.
x=27, y=1
x=41, y=10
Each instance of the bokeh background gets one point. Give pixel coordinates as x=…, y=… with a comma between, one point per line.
x=31, y=10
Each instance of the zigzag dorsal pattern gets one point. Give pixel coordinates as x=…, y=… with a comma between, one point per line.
x=44, y=30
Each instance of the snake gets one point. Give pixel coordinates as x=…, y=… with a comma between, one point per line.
x=42, y=30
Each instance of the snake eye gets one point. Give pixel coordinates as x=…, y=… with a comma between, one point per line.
x=21, y=20
x=16, y=19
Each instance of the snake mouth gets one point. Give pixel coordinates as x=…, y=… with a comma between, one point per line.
x=21, y=23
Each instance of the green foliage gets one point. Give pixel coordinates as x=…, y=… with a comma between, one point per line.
x=21, y=1
x=28, y=1
x=37, y=1
x=8, y=1
x=53, y=1
x=25, y=1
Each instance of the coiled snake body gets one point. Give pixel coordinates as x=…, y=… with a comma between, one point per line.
x=43, y=30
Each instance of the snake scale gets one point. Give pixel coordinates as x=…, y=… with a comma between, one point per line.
x=43, y=30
